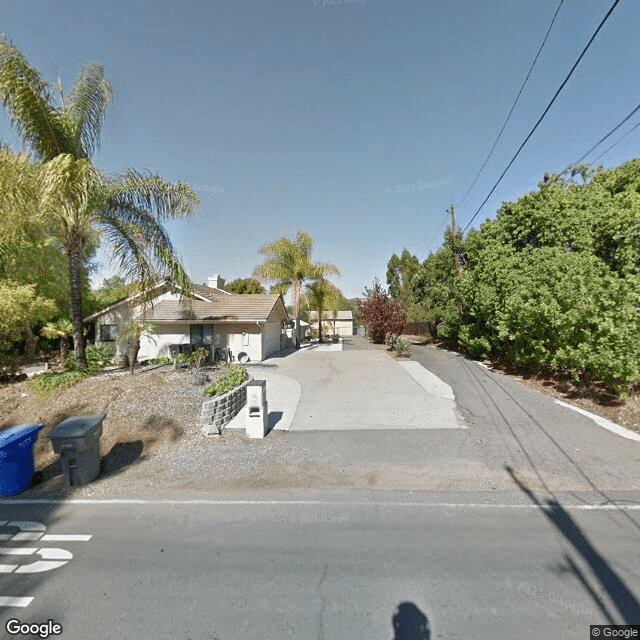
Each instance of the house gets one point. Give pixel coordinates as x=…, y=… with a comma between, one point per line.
x=249, y=326
x=338, y=323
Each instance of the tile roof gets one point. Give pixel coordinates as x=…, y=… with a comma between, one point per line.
x=221, y=307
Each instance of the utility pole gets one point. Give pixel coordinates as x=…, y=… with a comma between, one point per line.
x=454, y=238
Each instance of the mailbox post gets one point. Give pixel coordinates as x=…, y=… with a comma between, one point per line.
x=256, y=409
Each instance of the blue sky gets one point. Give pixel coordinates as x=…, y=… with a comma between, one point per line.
x=357, y=121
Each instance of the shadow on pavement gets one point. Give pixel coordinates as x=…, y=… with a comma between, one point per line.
x=410, y=623
x=621, y=596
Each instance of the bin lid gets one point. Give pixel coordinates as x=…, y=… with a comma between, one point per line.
x=13, y=435
x=77, y=426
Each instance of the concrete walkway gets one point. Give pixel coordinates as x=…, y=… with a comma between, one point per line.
x=312, y=390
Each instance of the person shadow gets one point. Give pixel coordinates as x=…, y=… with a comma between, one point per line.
x=410, y=623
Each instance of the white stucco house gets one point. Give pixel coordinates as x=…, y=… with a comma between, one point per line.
x=249, y=326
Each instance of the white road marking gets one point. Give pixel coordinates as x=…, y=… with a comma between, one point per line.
x=379, y=503
x=52, y=558
x=603, y=422
x=26, y=536
x=8, y=601
x=65, y=538
x=17, y=551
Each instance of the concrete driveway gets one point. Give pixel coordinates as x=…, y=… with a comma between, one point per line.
x=353, y=389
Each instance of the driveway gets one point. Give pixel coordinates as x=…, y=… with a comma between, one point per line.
x=360, y=387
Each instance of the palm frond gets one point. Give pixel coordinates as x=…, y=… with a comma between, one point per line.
x=19, y=188
x=85, y=108
x=146, y=190
x=29, y=100
x=141, y=246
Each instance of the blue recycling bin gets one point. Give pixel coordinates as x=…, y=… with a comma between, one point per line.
x=16, y=457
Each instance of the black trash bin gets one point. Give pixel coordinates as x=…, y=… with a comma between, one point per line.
x=77, y=440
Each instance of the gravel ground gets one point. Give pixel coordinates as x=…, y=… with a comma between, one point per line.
x=152, y=441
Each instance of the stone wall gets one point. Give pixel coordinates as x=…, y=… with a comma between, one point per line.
x=220, y=410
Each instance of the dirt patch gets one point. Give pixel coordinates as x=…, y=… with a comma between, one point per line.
x=146, y=411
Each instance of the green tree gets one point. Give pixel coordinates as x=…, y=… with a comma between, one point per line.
x=128, y=209
x=245, y=285
x=19, y=307
x=62, y=330
x=555, y=280
x=288, y=262
x=113, y=290
x=400, y=270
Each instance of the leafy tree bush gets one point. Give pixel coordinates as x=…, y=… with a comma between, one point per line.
x=382, y=316
x=244, y=286
x=20, y=308
x=236, y=375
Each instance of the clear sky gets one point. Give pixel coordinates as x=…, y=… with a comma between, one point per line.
x=357, y=121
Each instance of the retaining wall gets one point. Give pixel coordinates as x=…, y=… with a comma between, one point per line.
x=220, y=410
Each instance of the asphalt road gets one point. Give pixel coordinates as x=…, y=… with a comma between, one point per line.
x=332, y=566
x=524, y=524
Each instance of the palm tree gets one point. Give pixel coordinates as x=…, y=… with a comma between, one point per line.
x=63, y=330
x=323, y=296
x=127, y=210
x=289, y=264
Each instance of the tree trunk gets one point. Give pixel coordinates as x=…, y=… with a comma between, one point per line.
x=64, y=348
x=297, y=286
x=134, y=349
x=74, y=250
x=30, y=343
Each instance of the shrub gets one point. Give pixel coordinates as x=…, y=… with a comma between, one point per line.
x=402, y=347
x=236, y=375
x=381, y=315
x=180, y=358
x=98, y=356
x=161, y=360
x=199, y=356
x=48, y=383
x=335, y=338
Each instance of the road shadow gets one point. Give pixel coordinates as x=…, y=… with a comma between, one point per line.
x=410, y=623
x=622, y=597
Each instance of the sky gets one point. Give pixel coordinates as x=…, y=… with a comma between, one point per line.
x=359, y=121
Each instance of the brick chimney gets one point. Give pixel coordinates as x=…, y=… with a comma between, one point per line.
x=215, y=281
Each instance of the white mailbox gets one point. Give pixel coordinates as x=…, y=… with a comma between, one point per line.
x=256, y=410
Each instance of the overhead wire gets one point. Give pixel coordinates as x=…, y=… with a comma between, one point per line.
x=541, y=118
x=597, y=144
x=515, y=102
x=620, y=139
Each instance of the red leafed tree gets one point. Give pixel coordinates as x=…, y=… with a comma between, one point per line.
x=382, y=315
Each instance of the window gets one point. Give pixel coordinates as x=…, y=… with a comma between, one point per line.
x=201, y=334
x=196, y=334
x=108, y=333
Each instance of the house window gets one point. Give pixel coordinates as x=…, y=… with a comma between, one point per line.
x=196, y=334
x=201, y=334
x=108, y=333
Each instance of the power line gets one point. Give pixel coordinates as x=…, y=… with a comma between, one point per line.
x=557, y=93
x=513, y=106
x=435, y=235
x=622, y=137
x=597, y=144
